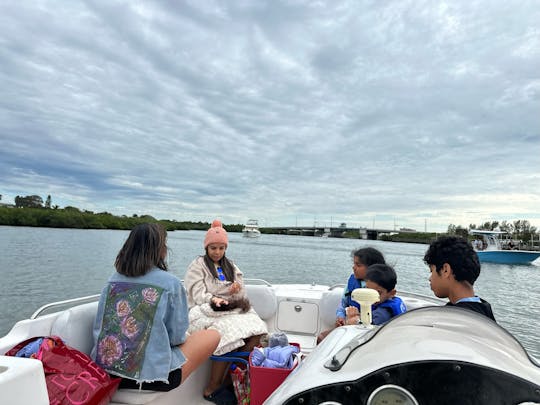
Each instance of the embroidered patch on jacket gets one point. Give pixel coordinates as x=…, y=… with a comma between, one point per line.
x=128, y=316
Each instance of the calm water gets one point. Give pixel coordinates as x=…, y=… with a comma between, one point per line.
x=41, y=265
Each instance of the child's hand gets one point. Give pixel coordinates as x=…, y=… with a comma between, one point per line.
x=353, y=315
x=219, y=301
x=340, y=322
x=352, y=311
x=353, y=320
x=235, y=287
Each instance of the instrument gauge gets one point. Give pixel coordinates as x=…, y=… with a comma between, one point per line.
x=390, y=394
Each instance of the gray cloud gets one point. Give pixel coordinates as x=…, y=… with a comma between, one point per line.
x=403, y=112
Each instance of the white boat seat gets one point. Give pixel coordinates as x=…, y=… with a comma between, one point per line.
x=263, y=299
x=75, y=326
x=329, y=303
x=134, y=396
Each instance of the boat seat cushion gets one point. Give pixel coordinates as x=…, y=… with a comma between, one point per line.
x=329, y=304
x=263, y=299
x=75, y=326
x=134, y=396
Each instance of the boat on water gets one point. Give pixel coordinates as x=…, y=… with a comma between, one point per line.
x=432, y=354
x=491, y=249
x=251, y=229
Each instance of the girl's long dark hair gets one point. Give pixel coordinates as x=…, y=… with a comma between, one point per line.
x=369, y=256
x=226, y=265
x=143, y=250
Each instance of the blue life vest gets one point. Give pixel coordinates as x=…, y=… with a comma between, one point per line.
x=353, y=284
x=395, y=305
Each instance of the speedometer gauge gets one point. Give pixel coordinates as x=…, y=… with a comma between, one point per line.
x=390, y=394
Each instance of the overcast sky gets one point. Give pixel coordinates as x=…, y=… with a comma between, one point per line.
x=411, y=113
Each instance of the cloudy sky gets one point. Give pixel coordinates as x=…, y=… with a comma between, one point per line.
x=389, y=113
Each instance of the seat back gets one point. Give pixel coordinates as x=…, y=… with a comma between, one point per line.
x=75, y=326
x=329, y=303
x=263, y=299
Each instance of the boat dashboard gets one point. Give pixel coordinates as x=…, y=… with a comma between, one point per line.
x=431, y=355
x=426, y=382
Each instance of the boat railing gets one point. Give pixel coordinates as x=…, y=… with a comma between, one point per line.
x=433, y=299
x=58, y=304
x=257, y=281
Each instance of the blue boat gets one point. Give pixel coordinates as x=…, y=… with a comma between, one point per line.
x=491, y=250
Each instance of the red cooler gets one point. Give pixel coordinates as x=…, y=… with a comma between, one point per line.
x=265, y=380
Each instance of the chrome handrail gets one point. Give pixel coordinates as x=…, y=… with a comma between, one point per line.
x=257, y=280
x=65, y=302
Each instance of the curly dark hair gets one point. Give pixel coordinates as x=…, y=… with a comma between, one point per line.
x=458, y=253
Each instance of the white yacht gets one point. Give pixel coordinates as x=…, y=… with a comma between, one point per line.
x=251, y=229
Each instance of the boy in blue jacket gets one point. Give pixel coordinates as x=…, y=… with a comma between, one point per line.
x=381, y=278
x=362, y=259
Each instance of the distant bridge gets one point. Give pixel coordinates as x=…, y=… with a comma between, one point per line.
x=336, y=232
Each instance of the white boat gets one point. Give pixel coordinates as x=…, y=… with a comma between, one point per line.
x=429, y=355
x=492, y=250
x=251, y=229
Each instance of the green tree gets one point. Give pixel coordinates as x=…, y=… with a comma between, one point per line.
x=486, y=226
x=523, y=230
x=30, y=201
x=506, y=227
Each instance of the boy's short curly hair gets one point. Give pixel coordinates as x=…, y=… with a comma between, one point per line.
x=458, y=253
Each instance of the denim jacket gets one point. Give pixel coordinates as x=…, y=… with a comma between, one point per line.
x=139, y=324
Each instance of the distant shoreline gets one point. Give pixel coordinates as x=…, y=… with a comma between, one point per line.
x=74, y=218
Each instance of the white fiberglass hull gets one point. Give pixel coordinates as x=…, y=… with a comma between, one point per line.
x=302, y=311
x=251, y=233
x=440, y=356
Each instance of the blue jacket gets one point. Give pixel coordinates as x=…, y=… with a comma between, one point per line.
x=346, y=300
x=380, y=313
x=139, y=324
x=274, y=357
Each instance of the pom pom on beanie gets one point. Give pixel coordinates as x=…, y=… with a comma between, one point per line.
x=216, y=234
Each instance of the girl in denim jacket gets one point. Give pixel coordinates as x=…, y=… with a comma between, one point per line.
x=142, y=319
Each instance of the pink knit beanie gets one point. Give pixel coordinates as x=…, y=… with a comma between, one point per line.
x=216, y=234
